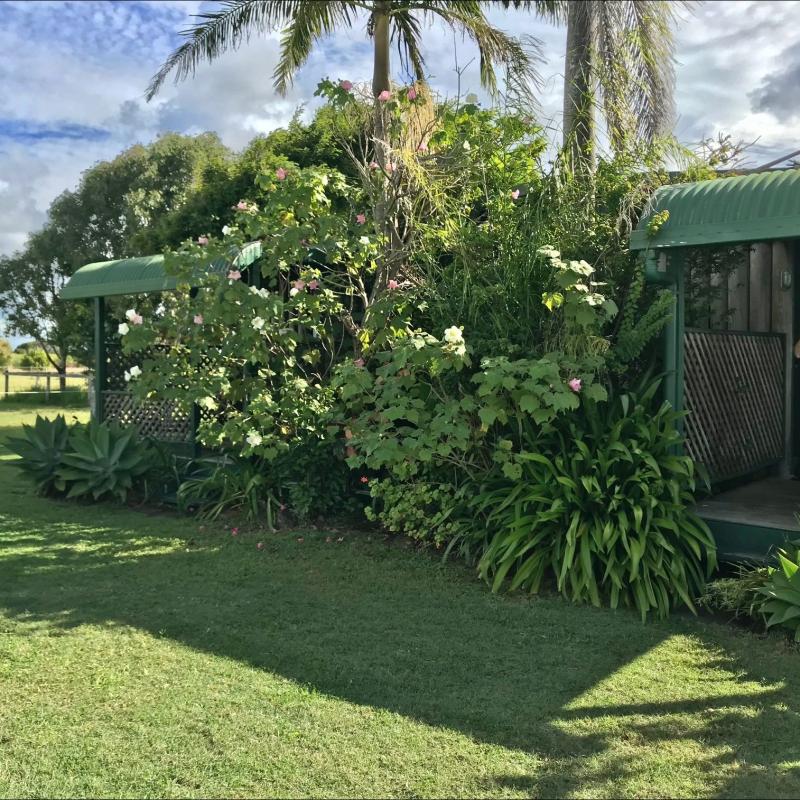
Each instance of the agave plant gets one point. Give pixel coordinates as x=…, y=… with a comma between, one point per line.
x=103, y=459
x=779, y=597
x=41, y=447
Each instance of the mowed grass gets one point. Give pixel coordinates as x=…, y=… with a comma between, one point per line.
x=144, y=655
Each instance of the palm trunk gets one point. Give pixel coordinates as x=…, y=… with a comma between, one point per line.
x=380, y=83
x=380, y=38
x=579, y=123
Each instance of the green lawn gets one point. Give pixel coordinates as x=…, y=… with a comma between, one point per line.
x=143, y=655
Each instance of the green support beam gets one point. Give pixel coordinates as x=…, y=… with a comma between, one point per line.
x=99, y=356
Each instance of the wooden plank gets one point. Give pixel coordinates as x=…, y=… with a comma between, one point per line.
x=783, y=322
x=760, y=286
x=719, y=302
x=738, y=292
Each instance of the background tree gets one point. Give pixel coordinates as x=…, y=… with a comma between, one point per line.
x=104, y=218
x=6, y=353
x=620, y=59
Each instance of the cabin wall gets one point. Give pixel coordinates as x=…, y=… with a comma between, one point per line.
x=752, y=292
x=761, y=298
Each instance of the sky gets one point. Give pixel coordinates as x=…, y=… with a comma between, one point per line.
x=73, y=75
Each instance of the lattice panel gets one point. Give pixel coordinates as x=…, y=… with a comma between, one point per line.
x=162, y=420
x=734, y=393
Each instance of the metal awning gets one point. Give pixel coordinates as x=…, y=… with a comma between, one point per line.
x=139, y=275
x=748, y=208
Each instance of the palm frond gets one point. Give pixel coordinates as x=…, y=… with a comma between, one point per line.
x=495, y=47
x=551, y=10
x=407, y=34
x=636, y=76
x=312, y=21
x=220, y=31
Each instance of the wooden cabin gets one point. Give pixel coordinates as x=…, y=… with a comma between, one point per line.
x=734, y=366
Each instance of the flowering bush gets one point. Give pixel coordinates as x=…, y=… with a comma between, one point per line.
x=422, y=403
x=257, y=355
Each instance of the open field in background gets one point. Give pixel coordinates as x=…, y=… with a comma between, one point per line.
x=34, y=384
x=151, y=655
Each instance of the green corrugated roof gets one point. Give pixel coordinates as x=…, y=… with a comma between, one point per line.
x=138, y=275
x=747, y=208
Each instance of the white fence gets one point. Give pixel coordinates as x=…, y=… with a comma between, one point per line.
x=22, y=382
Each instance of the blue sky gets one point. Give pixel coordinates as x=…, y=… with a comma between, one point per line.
x=73, y=76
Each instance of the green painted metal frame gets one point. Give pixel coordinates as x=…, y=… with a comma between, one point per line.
x=736, y=542
x=99, y=356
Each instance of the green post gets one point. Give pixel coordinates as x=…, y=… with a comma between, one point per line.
x=195, y=412
x=679, y=267
x=99, y=356
x=673, y=334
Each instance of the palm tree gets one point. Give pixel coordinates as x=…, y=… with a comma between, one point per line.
x=304, y=22
x=621, y=50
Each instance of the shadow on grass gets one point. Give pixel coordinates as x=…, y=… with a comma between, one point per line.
x=388, y=628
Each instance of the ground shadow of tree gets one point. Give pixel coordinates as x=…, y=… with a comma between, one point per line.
x=387, y=628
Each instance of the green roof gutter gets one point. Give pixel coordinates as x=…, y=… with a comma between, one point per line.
x=140, y=275
x=758, y=207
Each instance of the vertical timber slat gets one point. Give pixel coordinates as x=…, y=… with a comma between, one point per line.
x=760, y=286
x=738, y=290
x=783, y=322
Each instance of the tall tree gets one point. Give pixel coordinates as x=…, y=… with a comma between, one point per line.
x=623, y=51
x=117, y=207
x=304, y=22
x=619, y=59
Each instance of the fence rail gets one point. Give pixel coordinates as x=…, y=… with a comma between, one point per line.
x=47, y=376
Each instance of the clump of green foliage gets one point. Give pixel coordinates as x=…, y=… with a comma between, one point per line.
x=770, y=593
x=601, y=507
x=100, y=460
x=41, y=449
x=778, y=599
x=103, y=459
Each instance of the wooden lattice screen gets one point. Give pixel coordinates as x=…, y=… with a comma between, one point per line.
x=162, y=420
x=734, y=395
